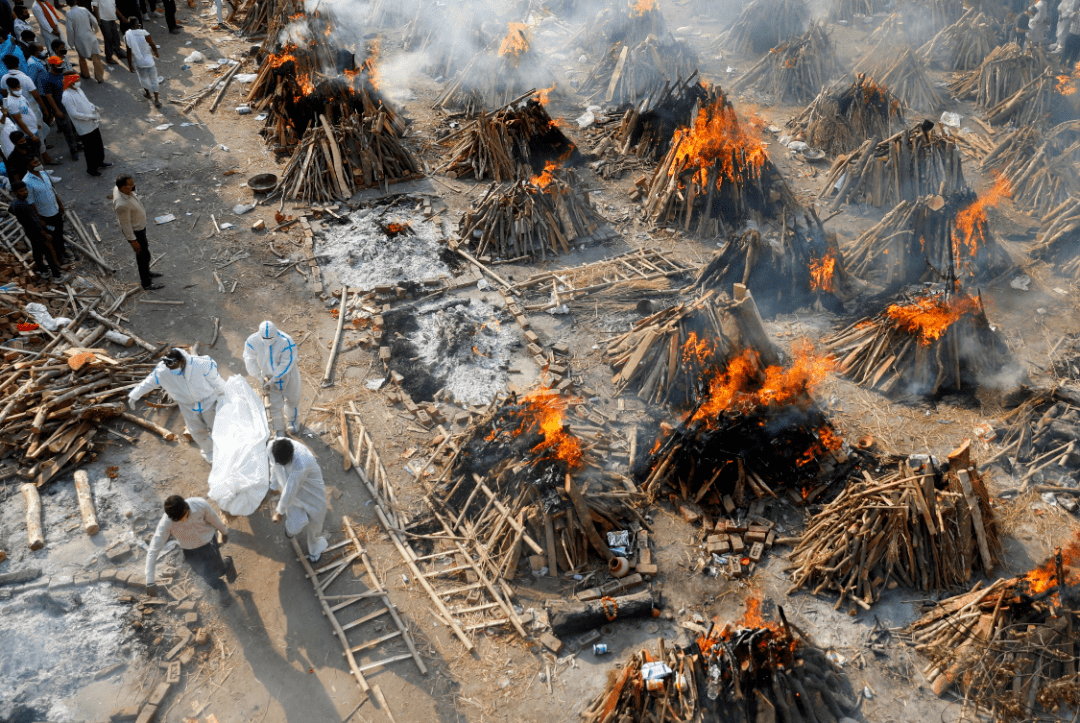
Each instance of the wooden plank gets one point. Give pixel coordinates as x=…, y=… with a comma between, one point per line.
x=976, y=518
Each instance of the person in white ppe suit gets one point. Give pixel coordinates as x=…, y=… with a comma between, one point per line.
x=194, y=383
x=270, y=356
x=295, y=475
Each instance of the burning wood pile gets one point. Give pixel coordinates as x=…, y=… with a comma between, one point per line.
x=963, y=45
x=1011, y=648
x=905, y=167
x=532, y=219
x=749, y=672
x=494, y=78
x=1058, y=240
x=931, y=239
x=1005, y=71
x=842, y=117
x=765, y=24
x=1040, y=166
x=795, y=71
x=628, y=74
x=624, y=23
x=926, y=527
x=928, y=343
x=714, y=174
x=905, y=77
x=496, y=145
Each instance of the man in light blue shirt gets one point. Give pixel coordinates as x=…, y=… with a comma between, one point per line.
x=49, y=206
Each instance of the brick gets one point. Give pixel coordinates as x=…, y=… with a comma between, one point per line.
x=557, y=369
x=770, y=540
x=191, y=619
x=384, y=353
x=689, y=514
x=646, y=569
x=729, y=504
x=737, y=545
x=87, y=578
x=186, y=656
x=423, y=417
x=534, y=349
x=718, y=548
x=753, y=535
x=147, y=714
x=109, y=574
x=561, y=348
x=551, y=642
x=756, y=551
x=122, y=577
x=202, y=637
x=185, y=607
x=564, y=385
x=173, y=675
x=532, y=337
x=119, y=553
x=159, y=694
x=185, y=638
x=397, y=377
x=523, y=322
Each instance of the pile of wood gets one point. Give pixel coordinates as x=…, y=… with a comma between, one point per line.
x=905, y=167
x=929, y=239
x=628, y=74
x=266, y=17
x=1058, y=241
x=749, y=672
x=915, y=22
x=904, y=75
x=846, y=10
x=715, y=173
x=925, y=344
x=963, y=45
x=531, y=219
x=842, y=117
x=924, y=528
x=1005, y=71
x=765, y=24
x=1039, y=166
x=1010, y=648
x=495, y=145
x=796, y=71
x=626, y=22
x=1032, y=104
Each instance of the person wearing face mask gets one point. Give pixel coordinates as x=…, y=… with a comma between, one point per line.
x=52, y=90
x=131, y=214
x=194, y=384
x=295, y=474
x=39, y=70
x=270, y=356
x=22, y=16
x=29, y=88
x=86, y=118
x=49, y=207
x=18, y=109
x=49, y=21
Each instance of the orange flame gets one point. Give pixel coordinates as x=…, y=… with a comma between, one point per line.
x=718, y=138
x=542, y=95
x=821, y=273
x=544, y=408
x=285, y=56
x=306, y=86
x=544, y=179
x=644, y=6
x=930, y=316
x=516, y=41
x=1044, y=577
x=370, y=64
x=970, y=230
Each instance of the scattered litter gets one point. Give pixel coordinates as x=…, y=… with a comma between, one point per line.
x=245, y=77
x=164, y=219
x=195, y=57
x=1021, y=282
x=163, y=127
x=241, y=208
x=243, y=110
x=950, y=119
x=1059, y=290
x=375, y=384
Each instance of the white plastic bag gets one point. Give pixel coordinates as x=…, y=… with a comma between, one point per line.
x=240, y=476
x=195, y=57
x=42, y=316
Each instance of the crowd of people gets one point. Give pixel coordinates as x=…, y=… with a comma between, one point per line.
x=41, y=91
x=1054, y=26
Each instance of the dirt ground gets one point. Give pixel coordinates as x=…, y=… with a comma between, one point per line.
x=275, y=657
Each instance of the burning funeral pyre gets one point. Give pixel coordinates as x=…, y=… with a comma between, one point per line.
x=747, y=672
x=963, y=45
x=1004, y=71
x=842, y=117
x=1011, y=648
x=904, y=75
x=931, y=342
x=494, y=77
x=765, y=24
x=1041, y=166
x=496, y=145
x=715, y=175
x=795, y=71
x=624, y=23
x=920, y=526
x=933, y=238
x=905, y=167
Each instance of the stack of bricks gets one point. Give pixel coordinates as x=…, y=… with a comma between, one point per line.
x=555, y=375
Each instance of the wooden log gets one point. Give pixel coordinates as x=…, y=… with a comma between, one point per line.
x=753, y=327
x=33, y=516
x=976, y=519
x=147, y=424
x=86, y=502
x=572, y=617
x=337, y=337
x=582, y=508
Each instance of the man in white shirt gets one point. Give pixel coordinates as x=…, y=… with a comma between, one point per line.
x=19, y=110
x=193, y=523
x=49, y=21
x=86, y=117
x=108, y=20
x=141, y=52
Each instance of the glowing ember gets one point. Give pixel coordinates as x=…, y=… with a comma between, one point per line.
x=718, y=138
x=970, y=230
x=930, y=316
x=371, y=64
x=306, y=86
x=285, y=56
x=543, y=93
x=544, y=179
x=821, y=273
x=644, y=6
x=1068, y=84
x=516, y=41
x=1044, y=577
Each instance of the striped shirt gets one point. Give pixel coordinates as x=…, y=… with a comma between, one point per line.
x=195, y=530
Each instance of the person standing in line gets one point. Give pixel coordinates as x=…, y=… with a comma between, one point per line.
x=52, y=89
x=195, y=525
x=194, y=383
x=18, y=109
x=295, y=473
x=1038, y=25
x=86, y=117
x=17, y=162
x=49, y=21
x=22, y=16
x=82, y=31
x=29, y=88
x=131, y=215
x=170, y=16
x=125, y=11
x=39, y=69
x=11, y=47
x=60, y=50
x=1070, y=54
x=49, y=206
x=270, y=357
x=45, y=263
x=107, y=16
x=141, y=52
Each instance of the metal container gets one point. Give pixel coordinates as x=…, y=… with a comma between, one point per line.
x=600, y=649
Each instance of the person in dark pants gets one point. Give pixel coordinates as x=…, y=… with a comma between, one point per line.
x=131, y=214
x=18, y=161
x=45, y=263
x=86, y=117
x=194, y=524
x=52, y=90
x=170, y=16
x=49, y=207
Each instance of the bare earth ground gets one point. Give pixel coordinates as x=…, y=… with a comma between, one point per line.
x=274, y=657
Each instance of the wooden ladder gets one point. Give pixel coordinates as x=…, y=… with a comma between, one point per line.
x=370, y=604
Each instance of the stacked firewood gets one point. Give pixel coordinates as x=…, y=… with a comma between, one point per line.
x=846, y=10
x=915, y=22
x=1058, y=241
x=267, y=17
x=495, y=145
x=627, y=74
x=904, y=75
x=1012, y=647
x=927, y=343
x=1039, y=166
x=843, y=116
x=626, y=23
x=931, y=238
x=533, y=218
x=963, y=45
x=924, y=528
x=765, y=24
x=1032, y=104
x=797, y=70
x=1005, y=71
x=905, y=167
x=749, y=672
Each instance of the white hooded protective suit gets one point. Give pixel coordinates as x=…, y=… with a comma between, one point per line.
x=196, y=389
x=270, y=357
x=303, y=495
